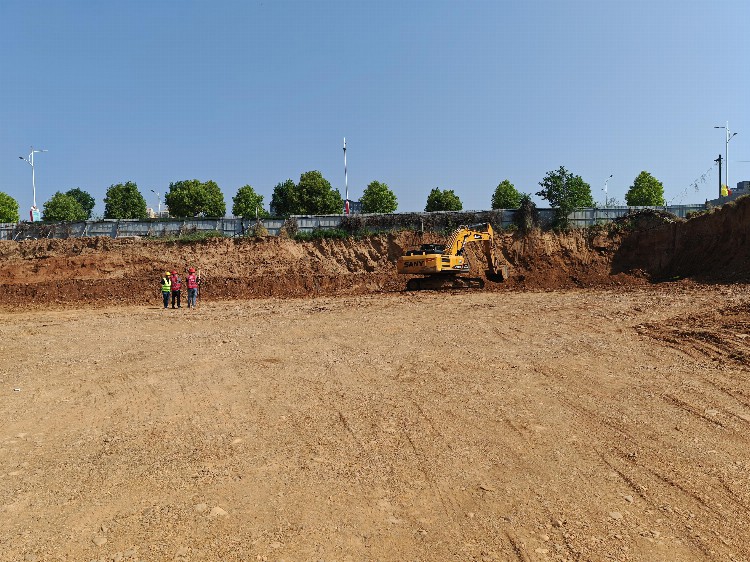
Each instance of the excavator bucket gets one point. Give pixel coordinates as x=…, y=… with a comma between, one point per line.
x=500, y=273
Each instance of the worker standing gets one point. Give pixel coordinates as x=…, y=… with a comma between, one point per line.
x=166, y=287
x=192, y=286
x=176, y=285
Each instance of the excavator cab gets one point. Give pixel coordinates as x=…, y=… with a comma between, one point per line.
x=426, y=249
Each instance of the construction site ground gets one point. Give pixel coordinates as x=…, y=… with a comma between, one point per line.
x=595, y=406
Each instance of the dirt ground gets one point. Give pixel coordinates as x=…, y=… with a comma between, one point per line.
x=573, y=425
x=310, y=410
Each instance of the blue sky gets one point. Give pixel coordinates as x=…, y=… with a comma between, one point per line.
x=455, y=95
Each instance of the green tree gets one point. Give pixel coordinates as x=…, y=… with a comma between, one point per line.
x=284, y=200
x=124, y=201
x=565, y=193
x=646, y=191
x=191, y=198
x=526, y=217
x=316, y=195
x=443, y=200
x=506, y=196
x=62, y=207
x=313, y=195
x=378, y=198
x=84, y=199
x=247, y=203
x=8, y=208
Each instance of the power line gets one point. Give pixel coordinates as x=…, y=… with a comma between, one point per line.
x=695, y=184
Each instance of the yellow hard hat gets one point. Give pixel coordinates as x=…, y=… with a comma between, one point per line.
x=167, y=273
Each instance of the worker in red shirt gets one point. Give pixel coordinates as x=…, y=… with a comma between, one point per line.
x=176, y=285
x=192, y=286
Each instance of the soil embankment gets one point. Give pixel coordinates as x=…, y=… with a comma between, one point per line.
x=709, y=248
x=106, y=271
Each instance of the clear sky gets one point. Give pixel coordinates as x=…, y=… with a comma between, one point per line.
x=451, y=94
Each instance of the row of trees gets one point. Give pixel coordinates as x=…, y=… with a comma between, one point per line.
x=564, y=191
x=313, y=194
x=567, y=192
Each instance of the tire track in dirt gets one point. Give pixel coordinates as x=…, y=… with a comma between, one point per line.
x=690, y=409
x=644, y=473
x=637, y=479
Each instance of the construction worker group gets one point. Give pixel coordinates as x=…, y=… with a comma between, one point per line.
x=171, y=286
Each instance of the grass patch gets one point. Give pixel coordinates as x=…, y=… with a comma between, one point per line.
x=196, y=236
x=322, y=234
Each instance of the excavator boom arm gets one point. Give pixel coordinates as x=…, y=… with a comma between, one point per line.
x=475, y=233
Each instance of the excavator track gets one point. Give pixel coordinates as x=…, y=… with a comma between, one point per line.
x=441, y=283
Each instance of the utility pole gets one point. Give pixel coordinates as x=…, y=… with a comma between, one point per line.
x=718, y=160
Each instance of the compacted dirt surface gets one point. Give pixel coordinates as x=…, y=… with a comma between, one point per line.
x=309, y=409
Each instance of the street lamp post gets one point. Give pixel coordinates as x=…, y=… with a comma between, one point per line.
x=346, y=183
x=30, y=161
x=158, y=202
x=606, y=200
x=729, y=137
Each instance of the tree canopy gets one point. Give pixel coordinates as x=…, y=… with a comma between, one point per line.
x=284, y=199
x=8, y=208
x=85, y=200
x=506, y=196
x=443, y=200
x=646, y=191
x=313, y=195
x=526, y=217
x=565, y=193
x=378, y=198
x=317, y=196
x=246, y=203
x=63, y=207
x=124, y=201
x=192, y=198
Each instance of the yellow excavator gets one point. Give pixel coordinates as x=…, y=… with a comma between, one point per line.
x=442, y=265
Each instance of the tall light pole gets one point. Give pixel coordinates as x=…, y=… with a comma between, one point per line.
x=30, y=161
x=606, y=201
x=346, y=183
x=729, y=137
x=158, y=202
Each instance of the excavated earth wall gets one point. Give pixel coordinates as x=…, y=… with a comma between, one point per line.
x=104, y=270
x=710, y=248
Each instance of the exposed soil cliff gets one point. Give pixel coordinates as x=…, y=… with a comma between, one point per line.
x=710, y=248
